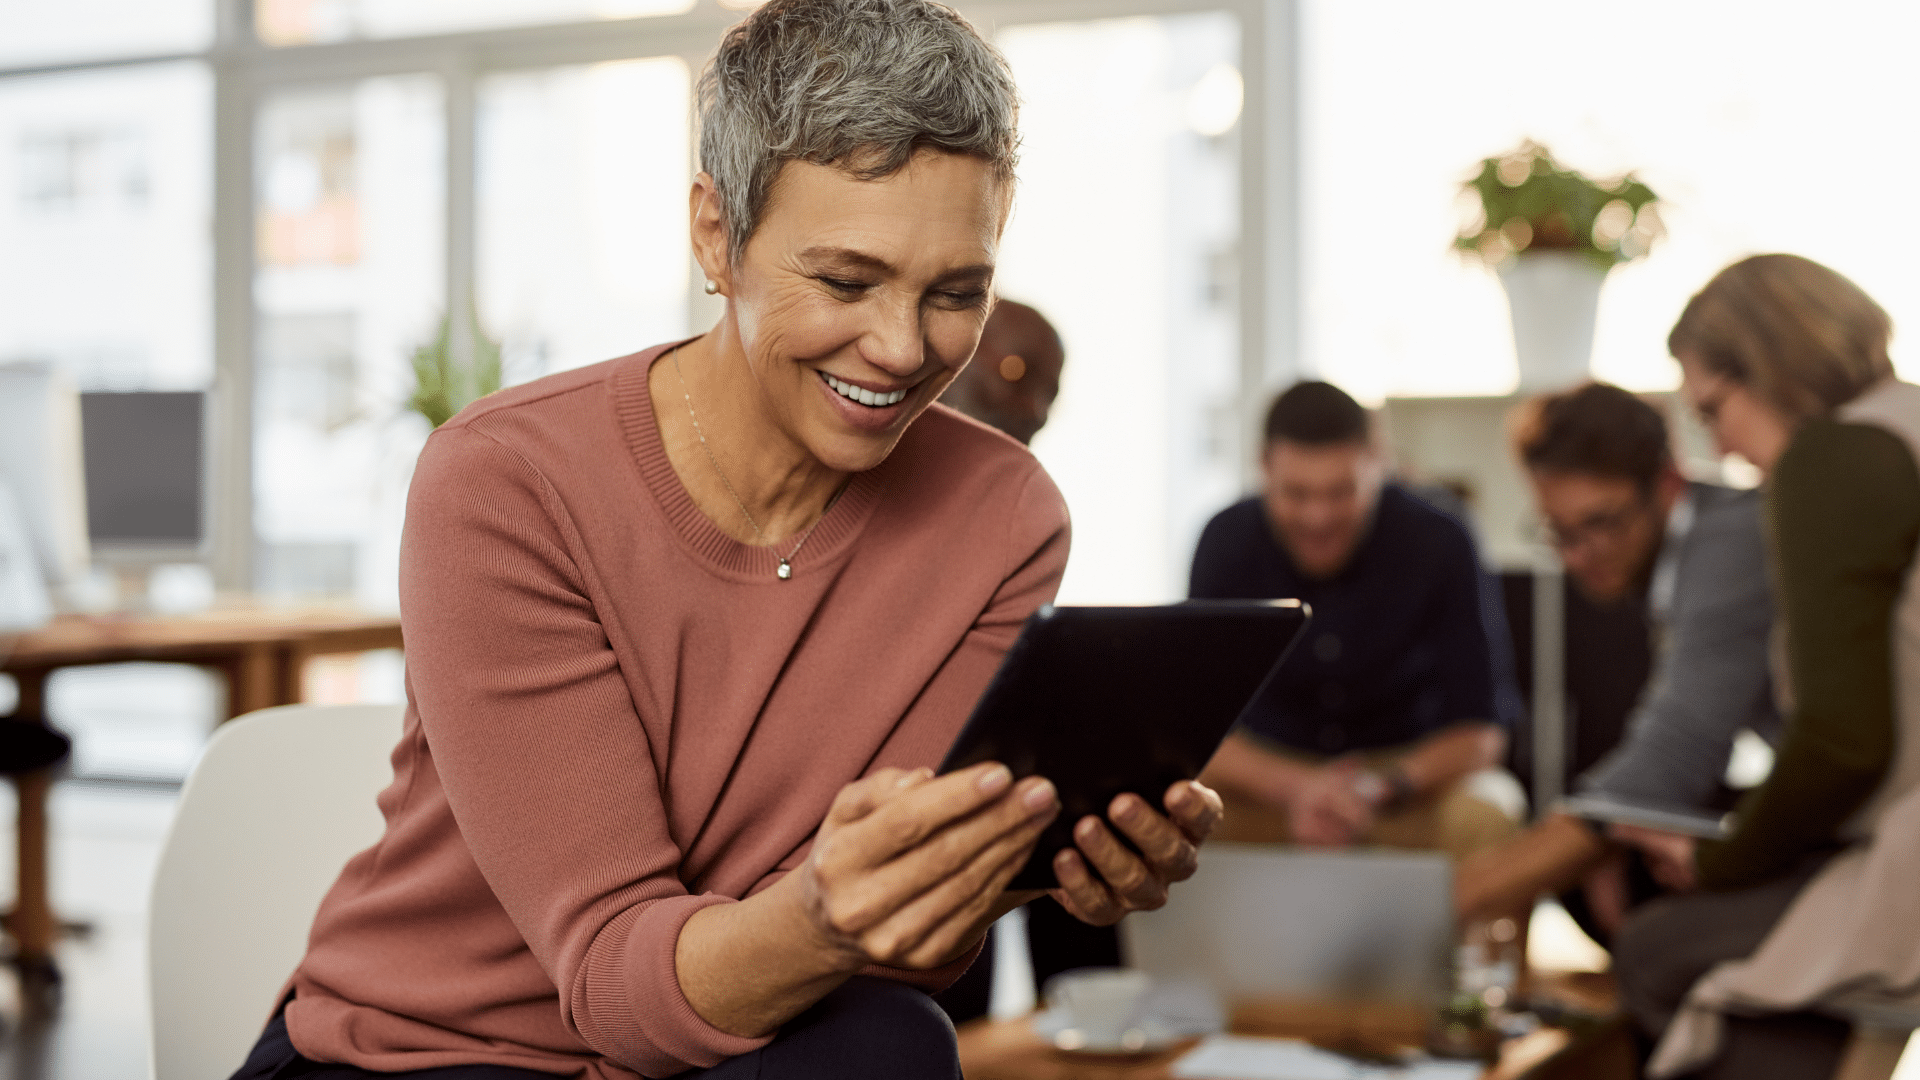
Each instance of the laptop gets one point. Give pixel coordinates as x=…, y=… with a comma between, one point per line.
x=1262, y=921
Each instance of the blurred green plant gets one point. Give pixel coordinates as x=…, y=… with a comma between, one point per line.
x=1530, y=202
x=441, y=385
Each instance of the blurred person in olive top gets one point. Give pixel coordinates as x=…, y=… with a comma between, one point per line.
x=1386, y=724
x=1627, y=524
x=1015, y=373
x=1806, y=911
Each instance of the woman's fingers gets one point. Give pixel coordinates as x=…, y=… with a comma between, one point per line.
x=945, y=854
x=1085, y=897
x=1128, y=875
x=867, y=794
x=1195, y=808
x=931, y=928
x=911, y=812
x=1169, y=854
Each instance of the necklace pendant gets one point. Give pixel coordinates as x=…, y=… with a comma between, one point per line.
x=785, y=572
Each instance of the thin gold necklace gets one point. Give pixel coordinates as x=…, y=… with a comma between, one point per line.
x=785, y=570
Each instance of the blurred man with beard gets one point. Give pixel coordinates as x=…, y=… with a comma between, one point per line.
x=1386, y=724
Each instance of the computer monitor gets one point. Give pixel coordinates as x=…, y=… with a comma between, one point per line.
x=41, y=463
x=145, y=474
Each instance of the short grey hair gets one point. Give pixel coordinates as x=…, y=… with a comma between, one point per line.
x=858, y=84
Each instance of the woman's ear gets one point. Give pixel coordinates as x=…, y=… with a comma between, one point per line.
x=707, y=223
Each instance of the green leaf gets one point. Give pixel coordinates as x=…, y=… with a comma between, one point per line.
x=441, y=387
x=1558, y=204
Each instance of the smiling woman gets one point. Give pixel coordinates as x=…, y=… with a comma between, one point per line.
x=687, y=628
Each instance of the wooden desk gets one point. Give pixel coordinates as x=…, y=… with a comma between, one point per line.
x=1010, y=1050
x=260, y=651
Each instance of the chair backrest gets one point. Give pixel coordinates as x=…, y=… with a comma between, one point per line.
x=278, y=803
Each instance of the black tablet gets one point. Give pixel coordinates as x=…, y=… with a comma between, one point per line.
x=1686, y=820
x=1102, y=700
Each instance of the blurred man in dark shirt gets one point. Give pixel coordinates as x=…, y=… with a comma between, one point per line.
x=1015, y=373
x=1386, y=723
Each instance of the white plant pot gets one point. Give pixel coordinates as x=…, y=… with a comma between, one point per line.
x=1552, y=297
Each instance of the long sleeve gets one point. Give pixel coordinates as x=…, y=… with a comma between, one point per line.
x=1037, y=544
x=1710, y=677
x=1845, y=509
x=545, y=762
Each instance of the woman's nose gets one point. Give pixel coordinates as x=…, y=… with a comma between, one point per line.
x=893, y=341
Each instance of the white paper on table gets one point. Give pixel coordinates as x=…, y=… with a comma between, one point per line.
x=1235, y=1057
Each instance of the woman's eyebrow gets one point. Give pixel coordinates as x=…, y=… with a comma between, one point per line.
x=848, y=257
x=852, y=259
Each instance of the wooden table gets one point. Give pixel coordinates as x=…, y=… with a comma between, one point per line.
x=1010, y=1050
x=261, y=652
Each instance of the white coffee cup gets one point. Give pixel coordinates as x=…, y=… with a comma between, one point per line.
x=1099, y=1008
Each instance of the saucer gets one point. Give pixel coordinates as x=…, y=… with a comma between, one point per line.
x=1144, y=1037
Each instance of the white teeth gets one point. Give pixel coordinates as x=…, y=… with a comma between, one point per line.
x=864, y=397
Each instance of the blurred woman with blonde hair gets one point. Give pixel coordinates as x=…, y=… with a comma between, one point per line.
x=1805, y=908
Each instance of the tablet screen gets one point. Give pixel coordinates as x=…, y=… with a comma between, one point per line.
x=1104, y=700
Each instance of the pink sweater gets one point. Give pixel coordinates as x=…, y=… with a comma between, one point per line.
x=619, y=716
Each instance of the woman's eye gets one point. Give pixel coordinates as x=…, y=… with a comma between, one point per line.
x=962, y=299
x=840, y=285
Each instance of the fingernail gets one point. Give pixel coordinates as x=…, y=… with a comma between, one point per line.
x=1127, y=810
x=1039, y=797
x=995, y=778
x=1087, y=829
x=1179, y=797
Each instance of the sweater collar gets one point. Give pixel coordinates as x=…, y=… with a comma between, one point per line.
x=829, y=542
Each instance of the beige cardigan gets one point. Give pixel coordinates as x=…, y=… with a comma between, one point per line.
x=1850, y=943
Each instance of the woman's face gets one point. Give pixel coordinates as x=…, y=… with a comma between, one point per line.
x=1741, y=422
x=858, y=301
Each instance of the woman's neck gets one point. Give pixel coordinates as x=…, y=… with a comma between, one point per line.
x=751, y=472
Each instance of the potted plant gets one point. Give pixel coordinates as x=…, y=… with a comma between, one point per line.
x=1552, y=235
x=442, y=386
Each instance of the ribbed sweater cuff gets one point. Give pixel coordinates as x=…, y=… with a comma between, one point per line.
x=639, y=1015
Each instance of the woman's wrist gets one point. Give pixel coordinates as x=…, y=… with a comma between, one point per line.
x=748, y=967
x=806, y=921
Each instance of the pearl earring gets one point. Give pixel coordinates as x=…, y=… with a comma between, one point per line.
x=712, y=288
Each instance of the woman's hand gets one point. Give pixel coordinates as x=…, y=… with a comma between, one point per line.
x=908, y=869
x=1169, y=852
x=1669, y=855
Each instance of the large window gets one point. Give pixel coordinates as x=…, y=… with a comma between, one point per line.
x=582, y=175
x=105, y=201
x=290, y=198
x=349, y=238
x=1124, y=234
x=55, y=31
x=1766, y=127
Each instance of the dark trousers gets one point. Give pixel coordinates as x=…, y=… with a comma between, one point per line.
x=1056, y=941
x=1667, y=945
x=868, y=1028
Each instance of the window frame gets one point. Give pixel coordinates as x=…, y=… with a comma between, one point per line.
x=245, y=71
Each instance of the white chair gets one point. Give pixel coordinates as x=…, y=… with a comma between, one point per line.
x=279, y=802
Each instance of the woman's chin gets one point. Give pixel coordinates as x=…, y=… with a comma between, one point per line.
x=849, y=437
x=849, y=453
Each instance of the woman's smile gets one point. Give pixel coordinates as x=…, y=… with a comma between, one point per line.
x=863, y=395
x=867, y=409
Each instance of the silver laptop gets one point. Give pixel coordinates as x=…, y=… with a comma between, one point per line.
x=1266, y=921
